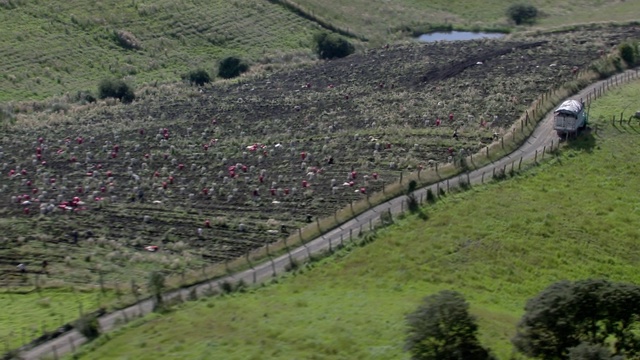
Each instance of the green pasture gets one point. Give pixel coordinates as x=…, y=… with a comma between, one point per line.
x=572, y=217
x=28, y=312
x=56, y=47
x=378, y=19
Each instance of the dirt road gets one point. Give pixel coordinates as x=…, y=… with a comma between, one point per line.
x=542, y=136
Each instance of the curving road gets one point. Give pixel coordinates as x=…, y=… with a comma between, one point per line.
x=543, y=135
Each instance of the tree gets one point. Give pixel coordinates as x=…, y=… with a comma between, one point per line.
x=567, y=314
x=116, y=89
x=331, y=46
x=156, y=287
x=522, y=13
x=231, y=67
x=198, y=77
x=442, y=329
x=586, y=351
x=629, y=53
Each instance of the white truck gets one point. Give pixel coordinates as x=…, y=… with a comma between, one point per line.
x=569, y=118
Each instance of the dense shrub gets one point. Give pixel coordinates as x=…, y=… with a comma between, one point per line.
x=157, y=286
x=563, y=317
x=431, y=197
x=84, y=97
x=586, y=351
x=629, y=53
x=88, y=326
x=331, y=46
x=522, y=13
x=231, y=67
x=127, y=40
x=198, y=77
x=442, y=329
x=116, y=89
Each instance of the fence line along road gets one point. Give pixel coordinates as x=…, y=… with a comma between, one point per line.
x=542, y=140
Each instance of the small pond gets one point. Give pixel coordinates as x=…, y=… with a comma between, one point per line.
x=458, y=35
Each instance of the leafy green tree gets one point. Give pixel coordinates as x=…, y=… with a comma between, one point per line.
x=522, y=13
x=116, y=89
x=567, y=314
x=442, y=329
x=231, y=67
x=331, y=46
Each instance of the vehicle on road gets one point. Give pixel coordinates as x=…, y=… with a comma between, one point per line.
x=569, y=118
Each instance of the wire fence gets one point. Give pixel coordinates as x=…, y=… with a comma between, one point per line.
x=360, y=228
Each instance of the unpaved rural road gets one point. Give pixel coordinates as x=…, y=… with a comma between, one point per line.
x=542, y=136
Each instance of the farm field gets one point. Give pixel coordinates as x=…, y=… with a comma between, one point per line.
x=377, y=20
x=573, y=218
x=58, y=47
x=105, y=181
x=208, y=176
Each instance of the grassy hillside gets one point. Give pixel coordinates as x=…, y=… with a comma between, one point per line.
x=571, y=218
x=58, y=47
x=376, y=19
x=54, y=47
x=43, y=310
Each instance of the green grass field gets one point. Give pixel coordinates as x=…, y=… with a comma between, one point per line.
x=377, y=19
x=62, y=47
x=25, y=314
x=56, y=47
x=573, y=217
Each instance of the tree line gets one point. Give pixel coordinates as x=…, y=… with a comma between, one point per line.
x=583, y=320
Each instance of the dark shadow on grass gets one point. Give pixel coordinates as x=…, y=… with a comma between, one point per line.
x=584, y=142
x=615, y=126
x=634, y=129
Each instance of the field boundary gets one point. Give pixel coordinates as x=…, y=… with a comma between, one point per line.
x=542, y=137
x=308, y=15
